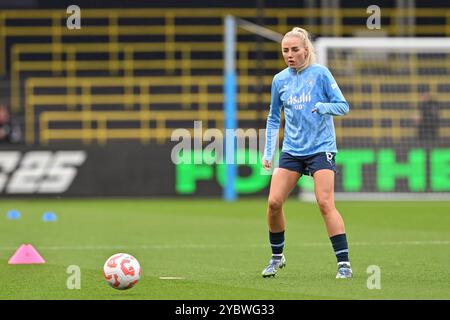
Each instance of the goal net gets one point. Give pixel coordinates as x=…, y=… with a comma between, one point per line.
x=395, y=141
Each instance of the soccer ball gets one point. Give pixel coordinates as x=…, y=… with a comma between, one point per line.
x=122, y=271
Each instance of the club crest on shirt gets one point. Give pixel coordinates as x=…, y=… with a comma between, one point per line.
x=310, y=82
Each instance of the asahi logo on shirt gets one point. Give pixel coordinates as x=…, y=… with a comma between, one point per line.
x=298, y=100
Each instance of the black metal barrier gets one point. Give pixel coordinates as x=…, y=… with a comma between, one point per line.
x=116, y=170
x=134, y=170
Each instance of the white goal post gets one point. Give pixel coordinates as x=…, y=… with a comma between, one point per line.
x=322, y=45
x=389, y=152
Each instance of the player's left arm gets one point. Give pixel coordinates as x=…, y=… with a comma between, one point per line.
x=336, y=104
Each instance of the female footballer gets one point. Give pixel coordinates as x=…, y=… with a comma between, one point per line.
x=310, y=97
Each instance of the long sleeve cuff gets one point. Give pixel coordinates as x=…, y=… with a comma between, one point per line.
x=334, y=109
x=271, y=143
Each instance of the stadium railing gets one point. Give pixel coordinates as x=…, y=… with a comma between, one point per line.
x=157, y=110
x=179, y=47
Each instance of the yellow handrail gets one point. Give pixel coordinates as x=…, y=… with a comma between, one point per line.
x=277, y=21
x=145, y=114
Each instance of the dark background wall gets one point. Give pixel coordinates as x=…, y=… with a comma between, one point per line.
x=204, y=3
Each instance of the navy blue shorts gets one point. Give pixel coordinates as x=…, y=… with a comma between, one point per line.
x=307, y=165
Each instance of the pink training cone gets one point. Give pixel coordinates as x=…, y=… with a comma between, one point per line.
x=26, y=254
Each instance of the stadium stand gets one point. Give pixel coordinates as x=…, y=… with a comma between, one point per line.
x=131, y=74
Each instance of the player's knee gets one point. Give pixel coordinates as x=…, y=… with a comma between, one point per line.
x=326, y=205
x=275, y=204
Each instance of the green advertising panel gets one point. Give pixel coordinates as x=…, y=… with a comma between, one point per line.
x=360, y=170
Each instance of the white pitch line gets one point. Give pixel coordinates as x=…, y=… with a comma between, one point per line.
x=171, y=278
x=213, y=246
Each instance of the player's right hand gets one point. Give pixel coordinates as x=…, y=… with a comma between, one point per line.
x=266, y=164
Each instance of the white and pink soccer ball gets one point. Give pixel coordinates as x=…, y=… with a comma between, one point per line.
x=122, y=271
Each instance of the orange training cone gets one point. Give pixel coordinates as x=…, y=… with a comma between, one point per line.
x=26, y=254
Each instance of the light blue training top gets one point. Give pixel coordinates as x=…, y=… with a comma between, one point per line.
x=298, y=93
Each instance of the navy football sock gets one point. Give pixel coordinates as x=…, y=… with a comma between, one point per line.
x=277, y=242
x=340, y=247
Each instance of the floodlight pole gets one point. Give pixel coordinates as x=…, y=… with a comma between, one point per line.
x=230, y=90
x=230, y=94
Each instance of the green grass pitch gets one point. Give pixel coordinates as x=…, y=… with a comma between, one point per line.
x=219, y=249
